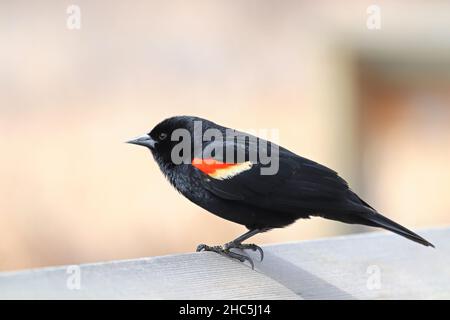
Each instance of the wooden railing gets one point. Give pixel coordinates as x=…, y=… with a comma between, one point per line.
x=363, y=266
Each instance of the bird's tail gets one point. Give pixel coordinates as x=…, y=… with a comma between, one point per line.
x=378, y=220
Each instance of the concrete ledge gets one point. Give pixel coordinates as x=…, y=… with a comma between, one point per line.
x=365, y=266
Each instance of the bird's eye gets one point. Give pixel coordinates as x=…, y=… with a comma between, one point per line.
x=162, y=136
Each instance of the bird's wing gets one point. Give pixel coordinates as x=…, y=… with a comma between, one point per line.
x=299, y=182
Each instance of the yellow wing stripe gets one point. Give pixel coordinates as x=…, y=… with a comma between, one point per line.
x=229, y=172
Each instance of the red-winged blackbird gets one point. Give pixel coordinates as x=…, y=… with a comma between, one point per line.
x=238, y=191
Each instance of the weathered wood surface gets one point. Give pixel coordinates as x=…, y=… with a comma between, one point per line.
x=365, y=266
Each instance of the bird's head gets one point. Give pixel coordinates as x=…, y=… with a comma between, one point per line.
x=167, y=134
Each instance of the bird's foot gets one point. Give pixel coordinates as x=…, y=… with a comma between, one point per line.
x=224, y=251
x=243, y=246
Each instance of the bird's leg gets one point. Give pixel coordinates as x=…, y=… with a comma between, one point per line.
x=236, y=244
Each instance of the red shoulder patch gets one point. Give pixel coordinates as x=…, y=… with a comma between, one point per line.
x=210, y=165
x=220, y=170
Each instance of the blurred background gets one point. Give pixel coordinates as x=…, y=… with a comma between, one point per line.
x=372, y=104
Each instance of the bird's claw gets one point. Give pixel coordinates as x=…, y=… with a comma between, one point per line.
x=224, y=251
x=204, y=247
x=243, y=246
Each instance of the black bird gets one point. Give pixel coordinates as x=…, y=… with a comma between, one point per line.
x=238, y=191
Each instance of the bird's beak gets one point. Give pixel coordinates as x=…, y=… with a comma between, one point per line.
x=144, y=140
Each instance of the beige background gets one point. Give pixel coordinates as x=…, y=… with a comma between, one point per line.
x=374, y=105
